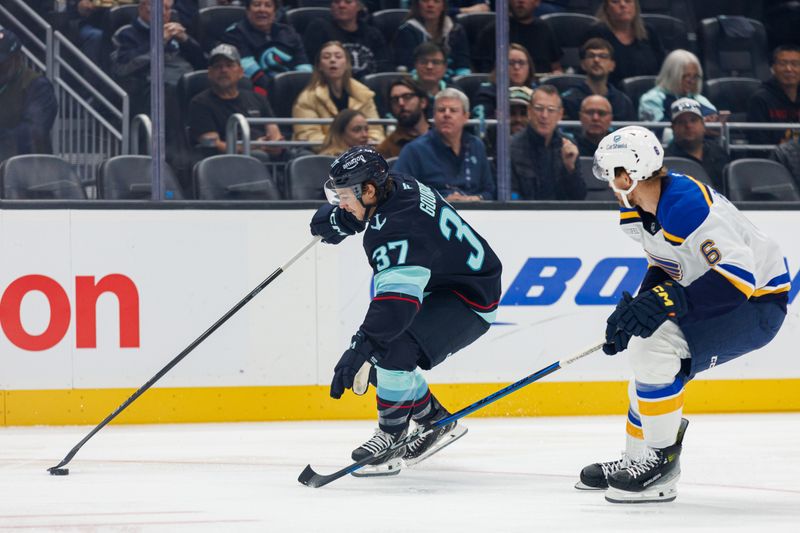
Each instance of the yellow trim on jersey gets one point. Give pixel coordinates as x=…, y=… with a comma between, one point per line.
x=744, y=287
x=763, y=291
x=703, y=189
x=670, y=237
x=633, y=431
x=661, y=407
x=628, y=214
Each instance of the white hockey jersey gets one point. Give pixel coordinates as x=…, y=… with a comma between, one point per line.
x=698, y=234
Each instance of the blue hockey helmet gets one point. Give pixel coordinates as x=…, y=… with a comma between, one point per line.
x=353, y=168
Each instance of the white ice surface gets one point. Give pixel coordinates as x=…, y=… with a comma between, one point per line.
x=740, y=473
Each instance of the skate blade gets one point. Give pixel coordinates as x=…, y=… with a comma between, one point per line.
x=580, y=485
x=663, y=492
x=389, y=468
x=448, y=439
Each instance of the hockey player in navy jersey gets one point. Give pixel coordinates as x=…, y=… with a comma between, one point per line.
x=716, y=288
x=437, y=286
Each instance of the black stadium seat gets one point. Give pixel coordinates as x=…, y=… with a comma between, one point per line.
x=469, y=84
x=692, y=168
x=213, y=21
x=39, y=177
x=595, y=189
x=636, y=86
x=732, y=94
x=569, y=29
x=673, y=32
x=586, y=7
x=299, y=18
x=387, y=21
x=233, y=177
x=680, y=9
x=284, y=89
x=473, y=24
x=307, y=175
x=562, y=82
x=734, y=47
x=759, y=180
x=379, y=84
x=128, y=177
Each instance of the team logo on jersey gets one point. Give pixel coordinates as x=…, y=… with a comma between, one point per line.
x=377, y=223
x=673, y=268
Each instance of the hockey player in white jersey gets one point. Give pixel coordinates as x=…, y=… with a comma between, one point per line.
x=716, y=288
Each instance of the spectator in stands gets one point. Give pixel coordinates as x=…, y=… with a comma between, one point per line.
x=29, y=105
x=130, y=61
x=348, y=129
x=597, y=61
x=91, y=16
x=430, y=66
x=544, y=163
x=519, y=99
x=690, y=142
x=681, y=76
x=596, y=115
x=209, y=110
x=427, y=21
x=788, y=154
x=267, y=47
x=521, y=73
x=467, y=6
x=350, y=26
x=407, y=102
x=331, y=90
x=535, y=34
x=637, y=47
x=777, y=100
x=448, y=158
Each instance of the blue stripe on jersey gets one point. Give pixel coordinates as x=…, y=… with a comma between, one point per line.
x=779, y=280
x=410, y=280
x=740, y=273
x=400, y=385
x=654, y=392
x=684, y=205
x=633, y=419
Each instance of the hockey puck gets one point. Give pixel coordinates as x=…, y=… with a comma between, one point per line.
x=59, y=471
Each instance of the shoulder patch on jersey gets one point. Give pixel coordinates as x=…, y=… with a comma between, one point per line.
x=628, y=216
x=684, y=205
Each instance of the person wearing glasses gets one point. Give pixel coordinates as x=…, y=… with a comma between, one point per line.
x=331, y=90
x=430, y=68
x=427, y=21
x=681, y=76
x=595, y=116
x=521, y=73
x=408, y=103
x=597, y=61
x=778, y=100
x=544, y=163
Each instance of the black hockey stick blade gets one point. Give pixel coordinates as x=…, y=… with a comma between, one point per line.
x=310, y=478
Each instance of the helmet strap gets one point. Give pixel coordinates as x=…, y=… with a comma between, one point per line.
x=625, y=192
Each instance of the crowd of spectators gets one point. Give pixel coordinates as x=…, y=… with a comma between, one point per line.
x=429, y=52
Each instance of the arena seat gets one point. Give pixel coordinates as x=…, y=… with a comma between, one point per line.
x=387, y=21
x=306, y=176
x=39, y=177
x=473, y=24
x=569, y=29
x=689, y=167
x=379, y=84
x=759, y=180
x=732, y=94
x=596, y=190
x=734, y=47
x=674, y=32
x=469, y=83
x=233, y=177
x=128, y=177
x=562, y=82
x=680, y=9
x=300, y=17
x=636, y=86
x=213, y=21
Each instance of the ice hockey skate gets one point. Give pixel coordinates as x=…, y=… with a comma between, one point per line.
x=387, y=465
x=433, y=441
x=652, y=478
x=595, y=476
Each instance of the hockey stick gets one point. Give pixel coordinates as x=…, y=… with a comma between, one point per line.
x=58, y=470
x=310, y=478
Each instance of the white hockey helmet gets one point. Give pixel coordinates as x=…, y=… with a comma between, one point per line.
x=634, y=148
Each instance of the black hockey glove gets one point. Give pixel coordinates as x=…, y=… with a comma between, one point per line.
x=645, y=313
x=361, y=350
x=333, y=224
x=617, y=339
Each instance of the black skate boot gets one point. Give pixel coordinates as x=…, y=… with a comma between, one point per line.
x=652, y=478
x=428, y=444
x=595, y=476
x=385, y=465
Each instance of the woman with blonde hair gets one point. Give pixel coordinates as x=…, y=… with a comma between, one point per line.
x=331, y=90
x=681, y=76
x=348, y=129
x=637, y=48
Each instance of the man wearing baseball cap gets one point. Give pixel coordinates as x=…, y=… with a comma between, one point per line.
x=689, y=140
x=29, y=103
x=210, y=109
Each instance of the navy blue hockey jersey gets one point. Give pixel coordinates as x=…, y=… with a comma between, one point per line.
x=417, y=243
